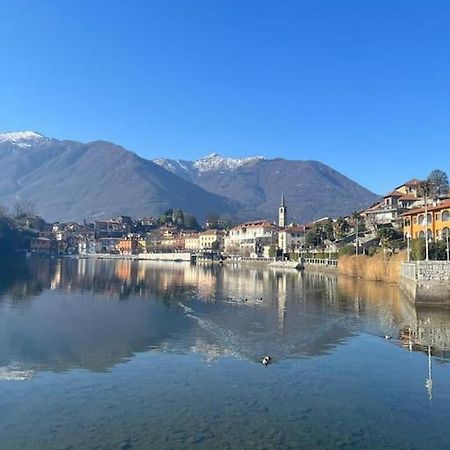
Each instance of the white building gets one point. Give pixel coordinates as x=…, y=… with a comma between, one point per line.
x=251, y=238
x=291, y=238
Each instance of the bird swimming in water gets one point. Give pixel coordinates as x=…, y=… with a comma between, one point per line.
x=266, y=360
x=387, y=337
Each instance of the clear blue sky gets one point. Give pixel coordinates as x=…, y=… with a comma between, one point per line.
x=361, y=85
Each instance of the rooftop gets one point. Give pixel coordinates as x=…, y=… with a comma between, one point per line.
x=443, y=205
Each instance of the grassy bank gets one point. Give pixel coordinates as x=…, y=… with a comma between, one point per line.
x=379, y=267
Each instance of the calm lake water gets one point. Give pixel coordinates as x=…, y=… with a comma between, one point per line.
x=141, y=355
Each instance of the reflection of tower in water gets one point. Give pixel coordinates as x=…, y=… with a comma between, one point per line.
x=56, y=280
x=282, y=296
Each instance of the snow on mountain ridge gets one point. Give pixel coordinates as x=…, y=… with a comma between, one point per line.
x=22, y=139
x=216, y=162
x=212, y=162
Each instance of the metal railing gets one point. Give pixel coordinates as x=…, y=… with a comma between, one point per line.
x=322, y=262
x=408, y=270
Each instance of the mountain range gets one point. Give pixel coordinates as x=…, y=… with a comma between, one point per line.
x=68, y=180
x=312, y=189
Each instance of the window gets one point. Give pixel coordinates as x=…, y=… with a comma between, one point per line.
x=446, y=216
x=421, y=219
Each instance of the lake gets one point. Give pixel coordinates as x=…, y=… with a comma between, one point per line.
x=98, y=354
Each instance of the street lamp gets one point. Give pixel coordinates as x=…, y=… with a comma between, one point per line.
x=425, y=194
x=408, y=246
x=447, y=232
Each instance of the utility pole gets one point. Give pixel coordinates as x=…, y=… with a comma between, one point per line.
x=357, y=235
x=425, y=194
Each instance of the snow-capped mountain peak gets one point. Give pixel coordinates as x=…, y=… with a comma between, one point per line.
x=22, y=139
x=216, y=162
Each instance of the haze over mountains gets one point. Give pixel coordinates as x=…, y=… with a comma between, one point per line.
x=68, y=180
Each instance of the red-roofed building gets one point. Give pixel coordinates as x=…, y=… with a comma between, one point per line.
x=394, y=204
x=436, y=219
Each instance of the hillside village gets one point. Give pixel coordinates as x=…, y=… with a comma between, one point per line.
x=402, y=215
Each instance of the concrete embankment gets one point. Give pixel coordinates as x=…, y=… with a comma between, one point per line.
x=266, y=263
x=320, y=265
x=426, y=282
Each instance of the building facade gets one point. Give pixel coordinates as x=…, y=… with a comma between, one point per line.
x=291, y=238
x=251, y=238
x=433, y=221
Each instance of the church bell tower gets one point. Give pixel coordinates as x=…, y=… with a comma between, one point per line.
x=282, y=222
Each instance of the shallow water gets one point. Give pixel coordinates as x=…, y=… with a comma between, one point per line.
x=139, y=355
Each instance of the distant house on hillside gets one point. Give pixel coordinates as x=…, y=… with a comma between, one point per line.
x=394, y=204
x=110, y=228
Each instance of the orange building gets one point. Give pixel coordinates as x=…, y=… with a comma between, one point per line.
x=437, y=221
x=130, y=245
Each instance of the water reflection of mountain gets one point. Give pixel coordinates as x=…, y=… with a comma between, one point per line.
x=60, y=314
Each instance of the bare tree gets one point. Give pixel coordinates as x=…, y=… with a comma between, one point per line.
x=438, y=180
x=24, y=209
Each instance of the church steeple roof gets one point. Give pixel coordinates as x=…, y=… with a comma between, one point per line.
x=282, y=200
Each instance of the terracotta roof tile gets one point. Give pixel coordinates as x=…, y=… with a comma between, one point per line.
x=443, y=205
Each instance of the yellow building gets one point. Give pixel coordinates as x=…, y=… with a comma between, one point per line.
x=211, y=239
x=437, y=221
x=192, y=241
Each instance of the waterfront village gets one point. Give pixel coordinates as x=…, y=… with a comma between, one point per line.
x=401, y=216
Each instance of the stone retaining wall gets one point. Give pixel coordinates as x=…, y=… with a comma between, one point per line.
x=426, y=282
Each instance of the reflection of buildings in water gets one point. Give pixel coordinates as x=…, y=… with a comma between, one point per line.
x=291, y=319
x=203, y=278
x=123, y=270
x=426, y=327
x=56, y=280
x=282, y=299
x=375, y=298
x=429, y=380
x=325, y=284
x=244, y=282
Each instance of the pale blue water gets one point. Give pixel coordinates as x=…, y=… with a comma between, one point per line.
x=138, y=355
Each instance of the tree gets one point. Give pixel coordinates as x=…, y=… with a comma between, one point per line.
x=438, y=180
x=190, y=222
x=24, y=209
x=315, y=237
x=212, y=220
x=328, y=229
x=178, y=218
x=342, y=227
x=389, y=237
